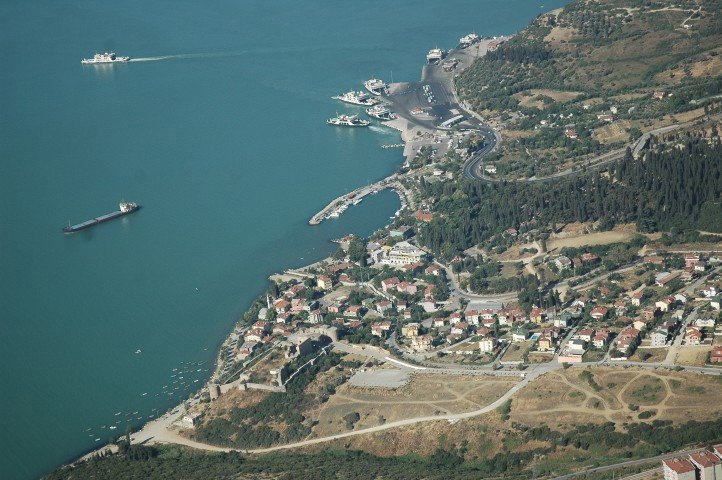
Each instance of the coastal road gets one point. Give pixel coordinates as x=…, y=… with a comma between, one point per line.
x=160, y=432
x=472, y=166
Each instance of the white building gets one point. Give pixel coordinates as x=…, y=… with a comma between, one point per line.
x=403, y=253
x=486, y=345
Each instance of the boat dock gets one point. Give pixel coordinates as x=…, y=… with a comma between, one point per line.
x=340, y=204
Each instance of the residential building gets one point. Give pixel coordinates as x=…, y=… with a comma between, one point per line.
x=693, y=336
x=658, y=338
x=599, y=313
x=519, y=334
x=715, y=356
x=410, y=329
x=601, y=339
x=678, y=469
x=704, y=322
x=381, y=329
x=708, y=464
x=562, y=262
x=545, y=343
x=665, y=278
x=487, y=344
x=388, y=284
x=715, y=302
x=577, y=346
x=421, y=342
x=585, y=334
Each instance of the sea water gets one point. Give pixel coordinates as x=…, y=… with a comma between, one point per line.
x=219, y=132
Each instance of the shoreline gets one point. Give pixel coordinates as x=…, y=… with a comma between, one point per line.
x=152, y=431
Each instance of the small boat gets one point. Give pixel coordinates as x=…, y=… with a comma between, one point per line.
x=107, y=57
x=138, y=351
x=112, y=427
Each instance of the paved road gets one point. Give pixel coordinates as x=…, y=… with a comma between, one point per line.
x=631, y=463
x=472, y=170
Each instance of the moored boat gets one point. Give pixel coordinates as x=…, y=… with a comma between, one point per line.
x=348, y=121
x=375, y=86
x=380, y=112
x=356, y=98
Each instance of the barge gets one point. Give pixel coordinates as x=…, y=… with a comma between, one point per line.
x=125, y=209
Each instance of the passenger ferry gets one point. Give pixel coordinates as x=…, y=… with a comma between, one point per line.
x=356, y=98
x=435, y=56
x=381, y=112
x=107, y=57
x=376, y=86
x=348, y=121
x=468, y=40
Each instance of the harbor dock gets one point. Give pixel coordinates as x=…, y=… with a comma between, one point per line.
x=339, y=205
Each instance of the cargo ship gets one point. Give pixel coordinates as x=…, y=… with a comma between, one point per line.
x=125, y=209
x=107, y=57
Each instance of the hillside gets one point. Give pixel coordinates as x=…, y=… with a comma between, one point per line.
x=594, y=67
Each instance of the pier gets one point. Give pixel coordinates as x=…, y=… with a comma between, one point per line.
x=339, y=205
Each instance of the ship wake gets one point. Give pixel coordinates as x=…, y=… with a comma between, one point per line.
x=187, y=56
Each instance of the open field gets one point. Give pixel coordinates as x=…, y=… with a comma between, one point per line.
x=561, y=400
x=613, y=132
x=534, y=98
x=617, y=395
x=598, y=238
x=649, y=355
x=423, y=395
x=516, y=351
x=693, y=355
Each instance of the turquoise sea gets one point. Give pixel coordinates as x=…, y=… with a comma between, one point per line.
x=222, y=141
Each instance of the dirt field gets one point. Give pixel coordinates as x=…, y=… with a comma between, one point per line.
x=693, y=355
x=562, y=401
x=530, y=98
x=515, y=352
x=598, y=238
x=657, y=355
x=423, y=395
x=567, y=399
x=612, y=133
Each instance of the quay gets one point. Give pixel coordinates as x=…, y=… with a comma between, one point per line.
x=338, y=205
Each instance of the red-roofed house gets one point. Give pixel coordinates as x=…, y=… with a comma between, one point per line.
x=423, y=216
x=389, y=284
x=693, y=336
x=598, y=313
x=716, y=357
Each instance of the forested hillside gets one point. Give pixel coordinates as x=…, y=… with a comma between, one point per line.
x=676, y=186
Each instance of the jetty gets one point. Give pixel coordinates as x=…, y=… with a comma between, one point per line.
x=339, y=205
